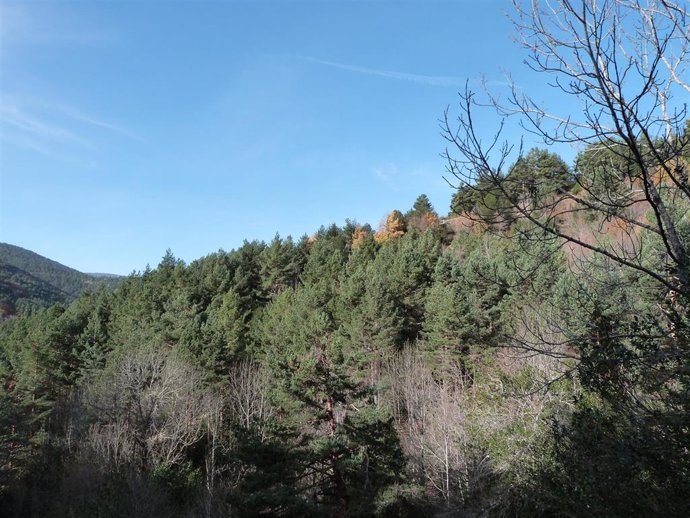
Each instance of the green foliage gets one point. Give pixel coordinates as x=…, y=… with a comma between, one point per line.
x=350, y=458
x=270, y=485
x=421, y=206
x=607, y=462
x=605, y=174
x=463, y=201
x=281, y=265
x=485, y=200
x=338, y=423
x=406, y=265
x=536, y=175
x=370, y=318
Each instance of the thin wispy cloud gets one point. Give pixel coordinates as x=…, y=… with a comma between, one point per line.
x=101, y=124
x=390, y=74
x=392, y=172
x=53, y=130
x=386, y=172
x=13, y=118
x=395, y=178
x=27, y=142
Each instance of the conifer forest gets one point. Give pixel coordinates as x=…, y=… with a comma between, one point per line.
x=522, y=352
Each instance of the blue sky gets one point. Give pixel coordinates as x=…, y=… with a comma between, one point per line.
x=131, y=127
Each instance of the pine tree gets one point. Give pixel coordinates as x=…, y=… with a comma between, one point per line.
x=327, y=256
x=94, y=341
x=370, y=321
x=225, y=334
x=444, y=334
x=538, y=174
x=407, y=265
x=421, y=206
x=247, y=280
x=278, y=266
x=348, y=448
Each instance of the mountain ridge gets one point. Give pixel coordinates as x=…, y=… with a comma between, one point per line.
x=31, y=281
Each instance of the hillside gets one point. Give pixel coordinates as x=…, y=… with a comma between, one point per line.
x=29, y=280
x=466, y=366
x=525, y=354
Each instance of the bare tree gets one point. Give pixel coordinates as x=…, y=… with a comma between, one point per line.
x=247, y=393
x=658, y=21
x=453, y=429
x=242, y=401
x=432, y=423
x=620, y=65
x=214, y=430
x=148, y=411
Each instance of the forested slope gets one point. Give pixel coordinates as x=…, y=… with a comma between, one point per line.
x=29, y=281
x=528, y=356
x=402, y=372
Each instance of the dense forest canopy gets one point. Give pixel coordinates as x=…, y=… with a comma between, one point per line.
x=528, y=355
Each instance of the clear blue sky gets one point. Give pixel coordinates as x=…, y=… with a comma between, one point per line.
x=131, y=127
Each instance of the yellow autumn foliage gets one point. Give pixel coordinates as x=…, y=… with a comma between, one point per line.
x=393, y=228
x=358, y=236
